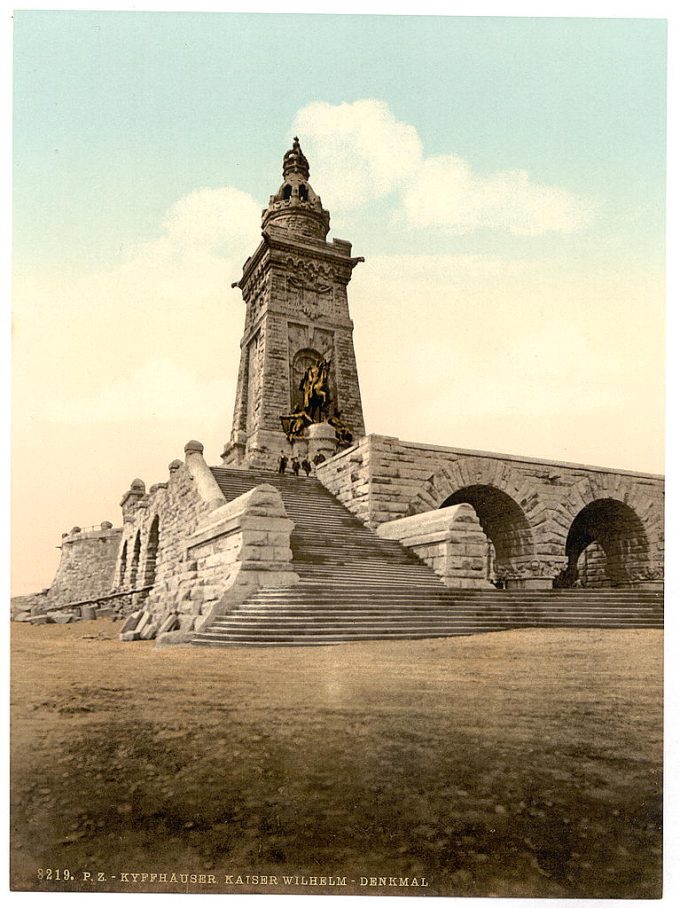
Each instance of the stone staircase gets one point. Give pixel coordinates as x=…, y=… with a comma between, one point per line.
x=356, y=586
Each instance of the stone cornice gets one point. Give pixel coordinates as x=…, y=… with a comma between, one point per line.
x=337, y=252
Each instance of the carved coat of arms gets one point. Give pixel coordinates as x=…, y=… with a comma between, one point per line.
x=311, y=297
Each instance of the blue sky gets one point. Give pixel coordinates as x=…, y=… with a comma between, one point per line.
x=119, y=114
x=504, y=179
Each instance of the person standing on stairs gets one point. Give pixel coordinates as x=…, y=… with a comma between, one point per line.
x=283, y=463
x=306, y=466
x=295, y=464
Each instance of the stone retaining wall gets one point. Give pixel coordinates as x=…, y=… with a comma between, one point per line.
x=86, y=566
x=527, y=507
x=451, y=541
x=201, y=554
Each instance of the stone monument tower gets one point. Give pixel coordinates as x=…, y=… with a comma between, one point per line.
x=297, y=381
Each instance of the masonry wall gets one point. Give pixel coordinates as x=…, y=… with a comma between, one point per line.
x=450, y=541
x=535, y=503
x=295, y=290
x=176, y=506
x=88, y=558
x=86, y=569
x=186, y=552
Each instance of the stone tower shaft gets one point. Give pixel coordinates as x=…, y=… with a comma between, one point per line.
x=295, y=290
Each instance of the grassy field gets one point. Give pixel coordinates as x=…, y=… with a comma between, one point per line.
x=525, y=763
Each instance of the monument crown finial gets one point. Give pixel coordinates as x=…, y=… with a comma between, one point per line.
x=296, y=208
x=294, y=161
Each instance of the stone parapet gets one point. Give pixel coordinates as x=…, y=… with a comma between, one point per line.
x=236, y=549
x=451, y=541
x=534, y=511
x=193, y=556
x=152, y=555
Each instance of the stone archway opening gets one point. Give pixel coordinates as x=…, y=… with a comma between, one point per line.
x=592, y=567
x=123, y=564
x=508, y=544
x=136, y=553
x=606, y=546
x=151, y=553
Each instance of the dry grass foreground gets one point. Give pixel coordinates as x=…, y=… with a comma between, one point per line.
x=525, y=763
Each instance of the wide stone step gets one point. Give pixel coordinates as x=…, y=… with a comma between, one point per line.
x=358, y=586
x=329, y=572
x=315, y=638
x=395, y=606
x=389, y=631
x=349, y=633
x=392, y=620
x=287, y=640
x=365, y=606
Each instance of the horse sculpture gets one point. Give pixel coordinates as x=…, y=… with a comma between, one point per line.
x=316, y=391
x=316, y=400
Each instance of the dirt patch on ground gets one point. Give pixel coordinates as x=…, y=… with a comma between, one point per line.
x=524, y=763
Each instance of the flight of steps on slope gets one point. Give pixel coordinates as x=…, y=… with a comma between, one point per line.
x=356, y=586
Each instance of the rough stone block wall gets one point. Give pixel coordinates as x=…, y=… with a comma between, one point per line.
x=348, y=477
x=177, y=505
x=592, y=567
x=209, y=555
x=450, y=541
x=240, y=547
x=86, y=567
x=531, y=505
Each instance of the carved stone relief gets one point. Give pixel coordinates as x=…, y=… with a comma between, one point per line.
x=310, y=288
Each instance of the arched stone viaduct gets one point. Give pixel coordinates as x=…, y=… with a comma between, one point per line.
x=540, y=516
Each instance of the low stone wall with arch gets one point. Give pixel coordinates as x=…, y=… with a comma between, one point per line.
x=527, y=508
x=188, y=554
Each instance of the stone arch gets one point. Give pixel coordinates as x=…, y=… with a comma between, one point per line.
x=624, y=516
x=619, y=532
x=123, y=564
x=134, y=565
x=509, y=507
x=503, y=522
x=151, y=552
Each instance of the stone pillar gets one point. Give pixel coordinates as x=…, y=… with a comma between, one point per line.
x=321, y=440
x=205, y=483
x=131, y=499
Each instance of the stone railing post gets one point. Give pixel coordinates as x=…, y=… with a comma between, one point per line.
x=205, y=482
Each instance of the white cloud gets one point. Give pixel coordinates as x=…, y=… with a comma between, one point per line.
x=445, y=193
x=213, y=219
x=104, y=345
x=202, y=233
x=362, y=152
